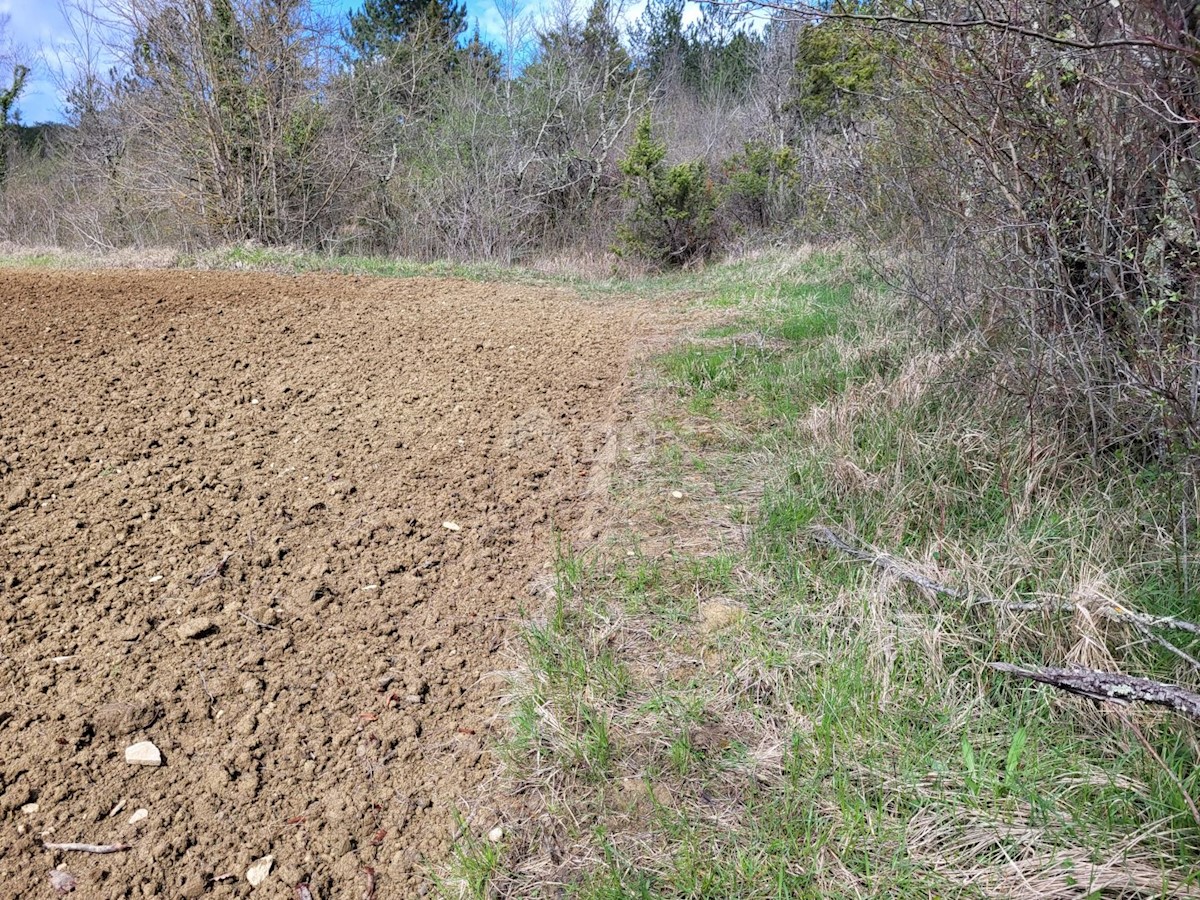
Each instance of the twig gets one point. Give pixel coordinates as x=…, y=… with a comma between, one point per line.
x=204, y=684
x=215, y=571
x=1162, y=764
x=369, y=890
x=1009, y=26
x=1111, y=687
x=894, y=566
x=256, y=622
x=1167, y=645
x=88, y=848
x=1113, y=611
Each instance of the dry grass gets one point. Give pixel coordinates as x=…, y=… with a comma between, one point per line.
x=713, y=705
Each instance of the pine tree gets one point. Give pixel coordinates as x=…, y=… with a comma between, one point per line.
x=381, y=26
x=673, y=218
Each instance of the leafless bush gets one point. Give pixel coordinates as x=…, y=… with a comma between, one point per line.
x=1041, y=160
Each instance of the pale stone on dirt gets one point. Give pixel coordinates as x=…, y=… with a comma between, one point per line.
x=451, y=526
x=29, y=809
x=678, y=495
x=16, y=497
x=143, y=753
x=138, y=815
x=62, y=881
x=718, y=614
x=195, y=628
x=258, y=871
x=496, y=835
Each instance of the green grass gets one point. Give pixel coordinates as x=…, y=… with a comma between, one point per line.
x=842, y=736
x=719, y=285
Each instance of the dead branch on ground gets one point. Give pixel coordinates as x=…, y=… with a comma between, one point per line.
x=1111, y=687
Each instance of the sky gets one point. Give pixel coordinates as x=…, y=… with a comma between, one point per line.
x=38, y=28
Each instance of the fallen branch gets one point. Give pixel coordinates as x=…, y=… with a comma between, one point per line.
x=1111, y=687
x=890, y=564
x=89, y=848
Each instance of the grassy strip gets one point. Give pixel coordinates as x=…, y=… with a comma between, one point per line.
x=597, y=277
x=277, y=260
x=714, y=706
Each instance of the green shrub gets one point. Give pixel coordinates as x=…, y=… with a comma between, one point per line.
x=760, y=184
x=673, y=218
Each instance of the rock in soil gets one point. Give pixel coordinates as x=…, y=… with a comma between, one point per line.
x=143, y=753
x=259, y=870
x=196, y=628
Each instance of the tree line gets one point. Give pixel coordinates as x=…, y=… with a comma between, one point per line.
x=400, y=130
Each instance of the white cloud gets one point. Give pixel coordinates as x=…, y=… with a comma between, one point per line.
x=34, y=25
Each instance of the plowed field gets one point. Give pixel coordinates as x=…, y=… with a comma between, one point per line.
x=282, y=528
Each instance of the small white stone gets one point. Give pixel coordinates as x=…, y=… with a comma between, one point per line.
x=143, y=754
x=678, y=495
x=451, y=526
x=138, y=815
x=496, y=835
x=29, y=809
x=258, y=871
x=62, y=881
x=155, y=579
x=120, y=805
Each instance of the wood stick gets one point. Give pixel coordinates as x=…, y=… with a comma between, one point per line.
x=215, y=571
x=1111, y=687
x=88, y=848
x=1170, y=773
x=894, y=566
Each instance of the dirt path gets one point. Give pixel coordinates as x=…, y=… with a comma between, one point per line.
x=280, y=527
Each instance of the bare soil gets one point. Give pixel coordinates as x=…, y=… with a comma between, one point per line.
x=282, y=528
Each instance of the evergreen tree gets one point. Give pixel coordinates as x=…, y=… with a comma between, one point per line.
x=377, y=29
x=658, y=37
x=673, y=218
x=714, y=56
x=8, y=99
